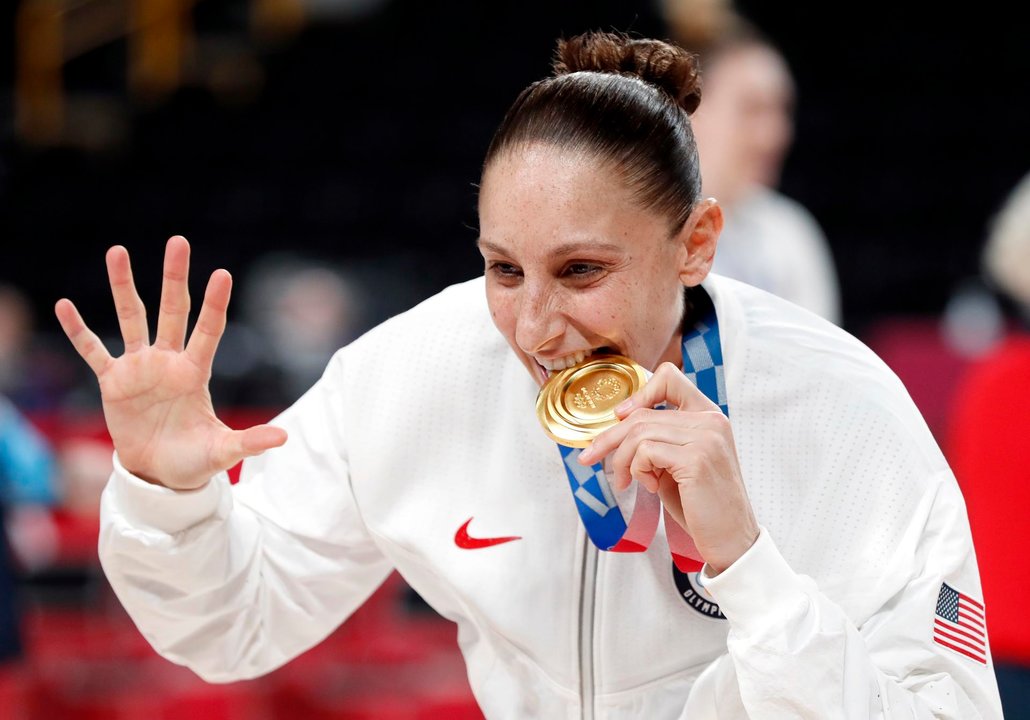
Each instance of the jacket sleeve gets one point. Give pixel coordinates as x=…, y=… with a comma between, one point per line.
x=234, y=581
x=794, y=653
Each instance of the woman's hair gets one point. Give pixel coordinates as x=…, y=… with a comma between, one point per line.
x=625, y=102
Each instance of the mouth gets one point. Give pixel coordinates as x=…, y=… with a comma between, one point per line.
x=547, y=367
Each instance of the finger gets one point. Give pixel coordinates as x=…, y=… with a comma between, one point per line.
x=84, y=340
x=654, y=460
x=670, y=386
x=239, y=444
x=211, y=321
x=175, y=295
x=614, y=436
x=132, y=315
x=624, y=456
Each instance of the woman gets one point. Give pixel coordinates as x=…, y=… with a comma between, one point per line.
x=419, y=450
x=744, y=129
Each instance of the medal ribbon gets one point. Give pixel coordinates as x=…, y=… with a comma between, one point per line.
x=604, y=520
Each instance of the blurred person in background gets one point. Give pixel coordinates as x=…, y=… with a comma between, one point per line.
x=33, y=375
x=989, y=449
x=744, y=129
x=27, y=467
x=295, y=313
x=26, y=478
x=595, y=239
x=303, y=311
x=15, y=334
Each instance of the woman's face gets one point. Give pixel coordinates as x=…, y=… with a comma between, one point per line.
x=573, y=264
x=744, y=125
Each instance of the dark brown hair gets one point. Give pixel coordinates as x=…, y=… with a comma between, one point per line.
x=624, y=101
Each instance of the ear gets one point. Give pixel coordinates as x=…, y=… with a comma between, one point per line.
x=700, y=235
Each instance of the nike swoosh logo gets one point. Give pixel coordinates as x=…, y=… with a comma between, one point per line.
x=466, y=542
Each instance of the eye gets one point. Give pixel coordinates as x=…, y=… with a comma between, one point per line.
x=505, y=270
x=581, y=270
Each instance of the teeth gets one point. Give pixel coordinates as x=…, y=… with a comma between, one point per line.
x=552, y=365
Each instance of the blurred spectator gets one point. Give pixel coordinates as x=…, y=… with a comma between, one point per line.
x=26, y=462
x=15, y=334
x=26, y=476
x=973, y=321
x=990, y=453
x=84, y=466
x=295, y=313
x=744, y=127
x=32, y=375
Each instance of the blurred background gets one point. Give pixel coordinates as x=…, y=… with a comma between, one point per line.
x=326, y=153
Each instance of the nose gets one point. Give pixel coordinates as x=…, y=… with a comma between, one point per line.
x=540, y=323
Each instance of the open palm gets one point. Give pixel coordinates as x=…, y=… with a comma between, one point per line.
x=155, y=396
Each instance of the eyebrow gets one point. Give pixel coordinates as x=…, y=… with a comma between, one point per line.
x=569, y=248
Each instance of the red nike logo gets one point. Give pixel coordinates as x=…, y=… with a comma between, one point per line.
x=466, y=542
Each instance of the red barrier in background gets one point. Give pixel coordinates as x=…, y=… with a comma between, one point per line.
x=916, y=350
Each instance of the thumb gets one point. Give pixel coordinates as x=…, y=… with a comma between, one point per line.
x=255, y=440
x=238, y=444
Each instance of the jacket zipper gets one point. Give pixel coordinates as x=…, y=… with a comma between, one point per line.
x=588, y=591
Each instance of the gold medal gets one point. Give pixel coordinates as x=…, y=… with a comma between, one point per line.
x=578, y=403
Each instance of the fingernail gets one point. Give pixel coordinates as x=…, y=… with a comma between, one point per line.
x=624, y=405
x=584, y=457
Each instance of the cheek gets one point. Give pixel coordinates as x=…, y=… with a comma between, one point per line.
x=661, y=308
x=502, y=312
x=605, y=302
x=627, y=312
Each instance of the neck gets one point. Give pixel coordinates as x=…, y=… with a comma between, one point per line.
x=673, y=353
x=695, y=304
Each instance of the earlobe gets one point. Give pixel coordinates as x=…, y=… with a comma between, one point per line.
x=700, y=236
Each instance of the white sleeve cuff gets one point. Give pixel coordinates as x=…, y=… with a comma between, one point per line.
x=758, y=589
x=146, y=505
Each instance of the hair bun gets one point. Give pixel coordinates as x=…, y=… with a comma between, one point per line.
x=662, y=64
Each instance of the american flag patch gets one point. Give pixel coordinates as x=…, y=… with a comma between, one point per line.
x=959, y=625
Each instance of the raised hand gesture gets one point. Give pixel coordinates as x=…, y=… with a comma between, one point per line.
x=155, y=396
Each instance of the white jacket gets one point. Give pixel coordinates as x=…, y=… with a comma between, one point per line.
x=774, y=243
x=428, y=420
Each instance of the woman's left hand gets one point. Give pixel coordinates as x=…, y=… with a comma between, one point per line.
x=686, y=454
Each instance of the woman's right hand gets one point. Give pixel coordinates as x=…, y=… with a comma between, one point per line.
x=155, y=396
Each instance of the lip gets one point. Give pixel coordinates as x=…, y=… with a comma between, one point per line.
x=541, y=372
